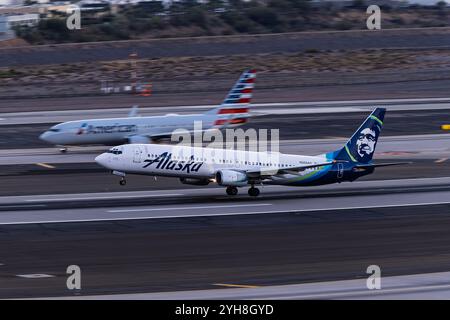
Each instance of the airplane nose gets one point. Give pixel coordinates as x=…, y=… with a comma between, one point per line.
x=44, y=136
x=102, y=159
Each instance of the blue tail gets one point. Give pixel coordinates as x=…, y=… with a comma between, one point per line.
x=361, y=146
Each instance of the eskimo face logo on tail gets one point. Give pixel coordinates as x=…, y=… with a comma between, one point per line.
x=164, y=162
x=365, y=144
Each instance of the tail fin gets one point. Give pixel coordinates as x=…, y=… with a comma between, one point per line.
x=241, y=93
x=361, y=146
x=234, y=109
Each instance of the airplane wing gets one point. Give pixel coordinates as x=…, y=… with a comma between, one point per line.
x=151, y=137
x=168, y=135
x=364, y=166
x=139, y=139
x=263, y=172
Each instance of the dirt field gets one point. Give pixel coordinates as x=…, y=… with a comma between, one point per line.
x=226, y=45
x=217, y=73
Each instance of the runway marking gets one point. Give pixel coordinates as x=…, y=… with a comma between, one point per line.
x=143, y=194
x=106, y=197
x=189, y=208
x=441, y=160
x=23, y=206
x=45, y=165
x=367, y=292
x=35, y=276
x=346, y=289
x=235, y=285
x=219, y=214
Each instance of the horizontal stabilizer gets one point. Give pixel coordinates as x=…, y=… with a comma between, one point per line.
x=382, y=164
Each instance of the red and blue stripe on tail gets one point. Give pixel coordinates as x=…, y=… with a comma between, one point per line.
x=234, y=110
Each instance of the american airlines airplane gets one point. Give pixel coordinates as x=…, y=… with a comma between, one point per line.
x=233, y=111
x=235, y=168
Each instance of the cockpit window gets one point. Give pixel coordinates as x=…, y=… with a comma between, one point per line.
x=114, y=151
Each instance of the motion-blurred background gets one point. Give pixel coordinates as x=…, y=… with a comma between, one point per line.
x=320, y=72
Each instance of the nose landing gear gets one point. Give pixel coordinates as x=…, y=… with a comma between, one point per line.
x=122, y=181
x=63, y=149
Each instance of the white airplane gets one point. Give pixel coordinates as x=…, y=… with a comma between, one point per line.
x=233, y=111
x=234, y=168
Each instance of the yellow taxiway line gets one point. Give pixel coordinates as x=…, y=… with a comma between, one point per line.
x=48, y=166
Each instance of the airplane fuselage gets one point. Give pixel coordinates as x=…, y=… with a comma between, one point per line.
x=233, y=112
x=120, y=130
x=204, y=163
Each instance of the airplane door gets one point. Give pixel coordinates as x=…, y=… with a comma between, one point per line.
x=138, y=154
x=340, y=171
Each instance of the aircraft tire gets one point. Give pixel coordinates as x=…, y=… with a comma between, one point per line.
x=253, y=192
x=232, y=191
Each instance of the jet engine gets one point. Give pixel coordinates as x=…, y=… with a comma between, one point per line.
x=231, y=178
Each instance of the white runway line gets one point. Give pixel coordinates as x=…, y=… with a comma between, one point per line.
x=296, y=107
x=24, y=206
x=35, y=276
x=189, y=208
x=111, y=197
x=15, y=201
x=257, y=212
x=417, y=286
x=125, y=218
x=369, y=293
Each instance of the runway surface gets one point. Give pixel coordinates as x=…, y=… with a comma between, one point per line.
x=417, y=286
x=337, y=124
x=154, y=237
x=208, y=252
x=205, y=201
x=46, y=115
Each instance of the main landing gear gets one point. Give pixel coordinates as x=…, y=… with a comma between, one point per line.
x=63, y=149
x=253, y=192
x=232, y=191
x=122, y=181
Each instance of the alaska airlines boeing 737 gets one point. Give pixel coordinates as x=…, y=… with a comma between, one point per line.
x=234, y=168
x=233, y=111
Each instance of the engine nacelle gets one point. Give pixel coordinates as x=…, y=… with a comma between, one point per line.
x=231, y=178
x=195, y=182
